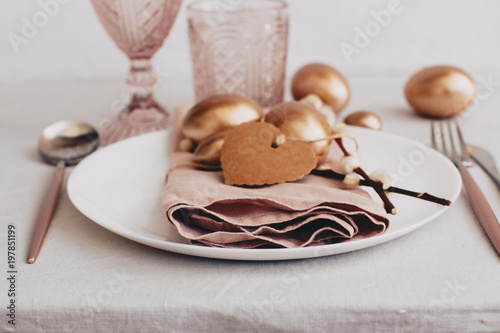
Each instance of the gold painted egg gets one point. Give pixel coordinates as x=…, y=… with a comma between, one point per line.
x=323, y=81
x=219, y=113
x=364, y=119
x=300, y=121
x=440, y=91
x=208, y=151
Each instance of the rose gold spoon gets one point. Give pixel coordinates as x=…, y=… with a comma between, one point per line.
x=62, y=144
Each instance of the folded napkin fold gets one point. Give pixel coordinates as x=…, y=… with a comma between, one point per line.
x=311, y=211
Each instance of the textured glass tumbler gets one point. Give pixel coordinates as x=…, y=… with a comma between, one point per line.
x=239, y=47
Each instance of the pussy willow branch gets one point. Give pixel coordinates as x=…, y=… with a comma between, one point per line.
x=419, y=195
x=388, y=205
x=378, y=187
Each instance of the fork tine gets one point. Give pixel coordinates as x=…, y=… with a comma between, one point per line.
x=453, y=150
x=446, y=139
x=465, y=153
x=433, y=135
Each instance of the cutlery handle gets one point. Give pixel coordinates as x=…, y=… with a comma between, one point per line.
x=482, y=209
x=45, y=215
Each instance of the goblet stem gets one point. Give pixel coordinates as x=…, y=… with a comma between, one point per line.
x=141, y=80
x=143, y=114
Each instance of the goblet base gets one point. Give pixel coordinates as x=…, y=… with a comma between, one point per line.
x=130, y=123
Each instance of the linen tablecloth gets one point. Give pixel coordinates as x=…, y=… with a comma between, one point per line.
x=442, y=277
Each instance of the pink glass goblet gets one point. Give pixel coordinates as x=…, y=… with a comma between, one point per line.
x=138, y=27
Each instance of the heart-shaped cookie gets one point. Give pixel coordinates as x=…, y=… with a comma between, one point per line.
x=250, y=156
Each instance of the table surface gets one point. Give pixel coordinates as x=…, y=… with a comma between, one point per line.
x=443, y=277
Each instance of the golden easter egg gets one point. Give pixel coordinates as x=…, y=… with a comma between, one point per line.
x=440, y=91
x=303, y=122
x=219, y=113
x=208, y=151
x=364, y=119
x=323, y=81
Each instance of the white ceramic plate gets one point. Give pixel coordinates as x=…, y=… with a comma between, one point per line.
x=120, y=188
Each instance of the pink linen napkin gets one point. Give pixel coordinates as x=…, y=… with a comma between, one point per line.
x=311, y=211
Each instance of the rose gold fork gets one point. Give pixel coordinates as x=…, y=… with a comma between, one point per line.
x=446, y=137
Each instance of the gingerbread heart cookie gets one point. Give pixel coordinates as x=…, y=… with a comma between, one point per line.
x=251, y=156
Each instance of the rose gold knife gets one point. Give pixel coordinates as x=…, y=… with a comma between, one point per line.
x=486, y=161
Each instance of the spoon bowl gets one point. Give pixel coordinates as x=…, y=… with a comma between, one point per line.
x=68, y=141
x=64, y=143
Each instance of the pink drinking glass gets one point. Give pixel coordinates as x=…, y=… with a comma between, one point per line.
x=239, y=47
x=138, y=28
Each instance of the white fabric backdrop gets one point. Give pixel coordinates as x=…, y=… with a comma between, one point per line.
x=69, y=42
